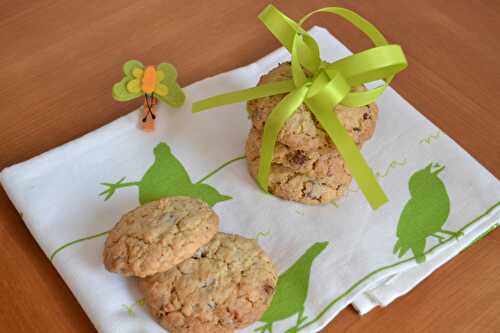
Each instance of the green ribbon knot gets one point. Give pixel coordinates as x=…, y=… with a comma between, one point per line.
x=321, y=87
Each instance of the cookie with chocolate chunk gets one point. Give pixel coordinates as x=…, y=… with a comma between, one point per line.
x=323, y=162
x=159, y=235
x=302, y=131
x=226, y=285
x=311, y=177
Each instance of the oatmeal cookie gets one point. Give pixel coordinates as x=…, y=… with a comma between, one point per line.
x=159, y=235
x=226, y=285
x=301, y=131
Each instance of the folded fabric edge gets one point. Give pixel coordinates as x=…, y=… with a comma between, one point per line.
x=385, y=292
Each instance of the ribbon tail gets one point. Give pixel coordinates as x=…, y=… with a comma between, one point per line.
x=264, y=90
x=275, y=121
x=358, y=166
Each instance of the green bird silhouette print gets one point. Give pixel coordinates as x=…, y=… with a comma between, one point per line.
x=291, y=291
x=425, y=214
x=167, y=177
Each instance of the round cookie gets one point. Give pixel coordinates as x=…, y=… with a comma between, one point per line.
x=301, y=131
x=323, y=162
x=291, y=185
x=226, y=285
x=159, y=235
x=311, y=177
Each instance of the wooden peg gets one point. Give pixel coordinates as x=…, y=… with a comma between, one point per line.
x=149, y=114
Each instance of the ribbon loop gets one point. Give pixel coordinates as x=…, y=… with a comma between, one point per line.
x=299, y=78
x=285, y=30
x=355, y=19
x=374, y=64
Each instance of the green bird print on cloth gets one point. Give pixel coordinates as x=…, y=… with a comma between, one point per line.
x=167, y=177
x=425, y=214
x=291, y=291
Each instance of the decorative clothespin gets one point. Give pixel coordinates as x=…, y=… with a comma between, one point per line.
x=153, y=84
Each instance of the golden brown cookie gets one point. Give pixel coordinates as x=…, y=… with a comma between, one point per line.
x=323, y=162
x=311, y=177
x=159, y=235
x=226, y=285
x=301, y=131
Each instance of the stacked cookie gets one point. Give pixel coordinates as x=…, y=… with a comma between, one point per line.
x=195, y=279
x=306, y=165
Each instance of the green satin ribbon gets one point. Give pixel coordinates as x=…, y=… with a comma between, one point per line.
x=326, y=86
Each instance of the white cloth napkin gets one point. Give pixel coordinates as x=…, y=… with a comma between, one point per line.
x=57, y=195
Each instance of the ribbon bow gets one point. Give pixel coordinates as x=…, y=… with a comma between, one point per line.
x=325, y=86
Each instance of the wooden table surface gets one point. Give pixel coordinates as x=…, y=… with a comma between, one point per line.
x=60, y=58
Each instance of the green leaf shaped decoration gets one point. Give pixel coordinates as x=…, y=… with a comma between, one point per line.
x=130, y=65
x=120, y=91
x=175, y=97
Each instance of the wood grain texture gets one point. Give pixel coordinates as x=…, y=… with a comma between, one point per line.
x=60, y=58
